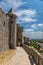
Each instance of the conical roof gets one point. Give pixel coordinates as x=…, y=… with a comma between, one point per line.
x=11, y=11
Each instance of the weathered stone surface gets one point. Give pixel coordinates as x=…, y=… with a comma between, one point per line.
x=19, y=35
x=4, y=32
x=7, y=31
x=12, y=29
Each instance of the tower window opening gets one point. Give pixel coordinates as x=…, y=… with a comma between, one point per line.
x=11, y=21
x=4, y=24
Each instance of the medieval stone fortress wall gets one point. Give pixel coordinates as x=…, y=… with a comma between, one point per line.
x=7, y=30
x=4, y=31
x=10, y=31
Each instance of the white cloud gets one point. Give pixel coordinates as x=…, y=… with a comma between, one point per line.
x=26, y=15
x=16, y=3
x=40, y=25
x=34, y=26
x=29, y=12
x=28, y=30
x=28, y=19
x=3, y=5
x=12, y=3
x=33, y=34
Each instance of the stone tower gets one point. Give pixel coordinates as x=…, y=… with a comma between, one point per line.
x=12, y=29
x=19, y=35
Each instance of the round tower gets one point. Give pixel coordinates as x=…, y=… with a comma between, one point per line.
x=12, y=29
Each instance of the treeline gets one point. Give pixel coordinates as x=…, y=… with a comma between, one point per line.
x=38, y=40
x=35, y=45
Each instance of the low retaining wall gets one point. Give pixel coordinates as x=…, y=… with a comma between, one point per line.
x=37, y=56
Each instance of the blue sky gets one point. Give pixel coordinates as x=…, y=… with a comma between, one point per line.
x=30, y=15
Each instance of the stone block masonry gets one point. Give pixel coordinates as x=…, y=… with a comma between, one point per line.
x=7, y=30
x=4, y=32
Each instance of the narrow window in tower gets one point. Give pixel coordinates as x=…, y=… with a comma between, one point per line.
x=11, y=21
x=4, y=24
